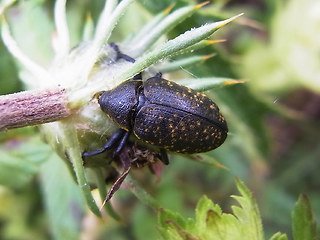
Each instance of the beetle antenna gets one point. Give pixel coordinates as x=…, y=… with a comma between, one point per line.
x=158, y=75
x=120, y=54
x=137, y=76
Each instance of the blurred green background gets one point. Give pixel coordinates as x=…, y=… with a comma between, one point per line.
x=274, y=139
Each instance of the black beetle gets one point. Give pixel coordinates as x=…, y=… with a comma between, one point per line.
x=162, y=113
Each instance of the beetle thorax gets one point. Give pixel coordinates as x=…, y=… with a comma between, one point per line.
x=120, y=103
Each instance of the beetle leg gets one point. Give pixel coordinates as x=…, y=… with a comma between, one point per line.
x=158, y=75
x=115, y=138
x=137, y=76
x=120, y=54
x=125, y=57
x=122, y=143
x=164, y=156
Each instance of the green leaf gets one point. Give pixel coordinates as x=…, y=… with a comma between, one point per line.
x=21, y=160
x=63, y=200
x=157, y=6
x=248, y=214
x=204, y=84
x=163, y=27
x=9, y=79
x=181, y=63
x=304, y=226
x=21, y=213
x=211, y=223
x=204, y=206
x=171, y=225
x=4, y=5
x=279, y=236
x=150, y=25
x=286, y=50
x=34, y=19
x=175, y=45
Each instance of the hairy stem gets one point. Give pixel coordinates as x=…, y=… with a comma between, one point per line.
x=32, y=108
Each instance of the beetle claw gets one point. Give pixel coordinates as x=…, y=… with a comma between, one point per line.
x=164, y=156
x=126, y=164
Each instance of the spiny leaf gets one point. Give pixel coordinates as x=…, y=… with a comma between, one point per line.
x=203, y=84
x=304, y=226
x=175, y=45
x=182, y=63
x=211, y=223
x=248, y=214
x=164, y=26
x=279, y=236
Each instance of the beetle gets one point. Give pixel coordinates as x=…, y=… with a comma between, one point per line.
x=162, y=113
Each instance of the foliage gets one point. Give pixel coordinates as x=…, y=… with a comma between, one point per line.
x=245, y=223
x=273, y=145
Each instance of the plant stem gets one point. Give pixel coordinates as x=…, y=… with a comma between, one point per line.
x=32, y=108
x=72, y=149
